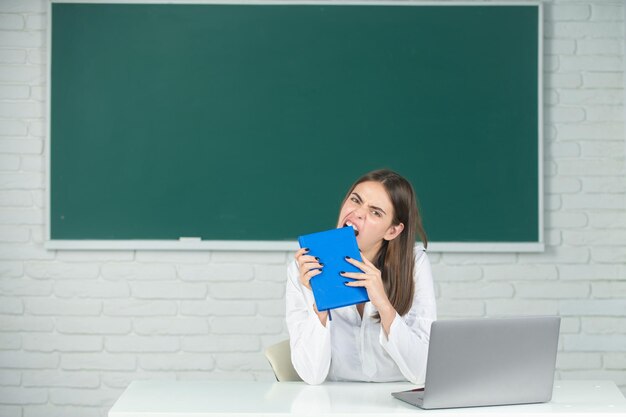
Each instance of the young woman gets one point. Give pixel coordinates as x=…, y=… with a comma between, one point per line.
x=385, y=339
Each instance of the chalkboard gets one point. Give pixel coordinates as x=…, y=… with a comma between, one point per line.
x=249, y=122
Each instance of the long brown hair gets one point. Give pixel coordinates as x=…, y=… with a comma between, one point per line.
x=396, y=258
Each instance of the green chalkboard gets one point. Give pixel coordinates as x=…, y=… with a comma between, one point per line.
x=250, y=122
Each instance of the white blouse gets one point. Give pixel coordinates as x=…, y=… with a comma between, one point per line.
x=349, y=348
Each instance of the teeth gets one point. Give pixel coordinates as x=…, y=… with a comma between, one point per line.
x=353, y=226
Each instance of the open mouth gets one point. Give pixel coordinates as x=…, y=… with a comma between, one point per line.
x=356, y=231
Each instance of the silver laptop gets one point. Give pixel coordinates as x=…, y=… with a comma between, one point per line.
x=488, y=361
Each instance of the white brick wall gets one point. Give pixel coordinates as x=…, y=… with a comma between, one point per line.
x=76, y=327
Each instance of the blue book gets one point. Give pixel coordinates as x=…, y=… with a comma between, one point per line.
x=332, y=246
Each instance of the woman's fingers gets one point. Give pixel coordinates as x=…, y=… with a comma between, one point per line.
x=367, y=261
x=356, y=283
x=308, y=258
x=308, y=265
x=354, y=275
x=362, y=266
x=301, y=252
x=310, y=274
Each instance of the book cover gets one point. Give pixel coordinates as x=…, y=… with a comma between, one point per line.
x=332, y=246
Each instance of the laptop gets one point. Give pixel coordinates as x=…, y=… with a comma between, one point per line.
x=488, y=361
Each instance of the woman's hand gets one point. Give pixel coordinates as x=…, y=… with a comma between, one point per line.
x=371, y=278
x=308, y=266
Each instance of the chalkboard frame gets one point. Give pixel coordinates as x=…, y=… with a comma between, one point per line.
x=195, y=244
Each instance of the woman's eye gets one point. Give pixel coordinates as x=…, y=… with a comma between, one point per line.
x=376, y=213
x=354, y=199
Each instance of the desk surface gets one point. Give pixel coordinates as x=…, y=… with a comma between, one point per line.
x=249, y=398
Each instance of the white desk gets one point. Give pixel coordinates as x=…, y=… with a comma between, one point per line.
x=251, y=399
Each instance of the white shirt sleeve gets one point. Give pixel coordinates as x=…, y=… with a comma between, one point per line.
x=308, y=338
x=407, y=342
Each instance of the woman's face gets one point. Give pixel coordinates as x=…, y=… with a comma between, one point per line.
x=370, y=211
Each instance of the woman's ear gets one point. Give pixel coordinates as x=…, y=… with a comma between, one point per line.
x=393, y=231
